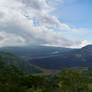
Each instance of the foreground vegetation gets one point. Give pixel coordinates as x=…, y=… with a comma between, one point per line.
x=69, y=80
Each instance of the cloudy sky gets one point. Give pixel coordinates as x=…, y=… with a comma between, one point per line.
x=63, y=23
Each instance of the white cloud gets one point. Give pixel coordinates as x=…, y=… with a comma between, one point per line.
x=84, y=43
x=55, y=2
x=17, y=24
x=10, y=39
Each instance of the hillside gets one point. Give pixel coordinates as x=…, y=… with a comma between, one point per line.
x=34, y=51
x=73, y=58
x=10, y=59
x=53, y=58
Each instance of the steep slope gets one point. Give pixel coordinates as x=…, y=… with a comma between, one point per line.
x=10, y=59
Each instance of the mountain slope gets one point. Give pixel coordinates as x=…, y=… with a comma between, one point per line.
x=10, y=59
x=53, y=57
x=34, y=51
x=73, y=58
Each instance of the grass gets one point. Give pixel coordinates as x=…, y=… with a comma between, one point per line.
x=90, y=87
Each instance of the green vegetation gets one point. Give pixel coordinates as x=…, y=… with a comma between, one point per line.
x=13, y=79
x=27, y=67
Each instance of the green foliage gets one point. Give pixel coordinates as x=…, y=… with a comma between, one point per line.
x=13, y=79
x=35, y=90
x=10, y=78
x=34, y=81
x=12, y=88
x=71, y=81
x=27, y=67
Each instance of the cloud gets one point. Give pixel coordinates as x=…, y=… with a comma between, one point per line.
x=8, y=39
x=55, y=2
x=30, y=22
x=84, y=43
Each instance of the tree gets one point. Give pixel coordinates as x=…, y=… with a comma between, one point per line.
x=32, y=81
x=13, y=74
x=71, y=81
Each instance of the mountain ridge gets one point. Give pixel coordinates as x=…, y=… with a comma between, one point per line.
x=62, y=57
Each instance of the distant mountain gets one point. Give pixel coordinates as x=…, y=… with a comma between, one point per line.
x=52, y=57
x=72, y=58
x=10, y=59
x=34, y=51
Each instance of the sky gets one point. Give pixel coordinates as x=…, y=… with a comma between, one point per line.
x=60, y=23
